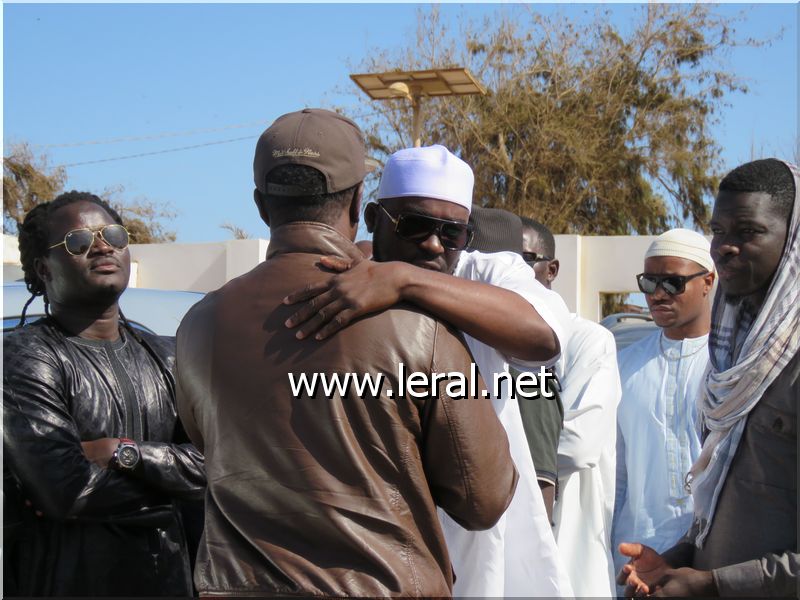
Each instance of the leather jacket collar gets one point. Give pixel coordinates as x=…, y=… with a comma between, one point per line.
x=310, y=237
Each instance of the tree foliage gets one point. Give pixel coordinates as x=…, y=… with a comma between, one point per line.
x=237, y=233
x=586, y=128
x=29, y=180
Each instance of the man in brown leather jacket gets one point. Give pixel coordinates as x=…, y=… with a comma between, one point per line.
x=333, y=490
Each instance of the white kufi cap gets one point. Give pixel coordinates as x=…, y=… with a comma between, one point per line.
x=429, y=172
x=683, y=243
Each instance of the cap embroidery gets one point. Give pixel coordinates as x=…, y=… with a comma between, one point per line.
x=308, y=152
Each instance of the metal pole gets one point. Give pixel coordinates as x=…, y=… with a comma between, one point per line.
x=416, y=107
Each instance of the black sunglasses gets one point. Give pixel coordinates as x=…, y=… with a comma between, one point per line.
x=79, y=241
x=414, y=227
x=671, y=284
x=534, y=257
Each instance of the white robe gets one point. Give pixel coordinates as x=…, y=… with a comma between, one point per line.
x=518, y=556
x=586, y=459
x=657, y=439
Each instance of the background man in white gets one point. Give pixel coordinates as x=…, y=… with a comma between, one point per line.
x=657, y=435
x=590, y=392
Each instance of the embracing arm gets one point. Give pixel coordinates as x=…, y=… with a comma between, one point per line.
x=478, y=309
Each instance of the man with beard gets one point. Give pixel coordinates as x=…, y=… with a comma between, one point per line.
x=743, y=539
x=93, y=453
x=510, y=322
x=661, y=375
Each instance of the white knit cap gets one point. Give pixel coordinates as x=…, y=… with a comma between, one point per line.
x=429, y=172
x=683, y=243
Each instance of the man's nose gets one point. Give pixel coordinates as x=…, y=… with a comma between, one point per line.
x=725, y=248
x=100, y=245
x=659, y=293
x=432, y=245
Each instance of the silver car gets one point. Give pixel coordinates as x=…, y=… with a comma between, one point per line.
x=628, y=327
x=156, y=311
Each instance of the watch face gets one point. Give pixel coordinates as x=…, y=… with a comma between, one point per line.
x=128, y=456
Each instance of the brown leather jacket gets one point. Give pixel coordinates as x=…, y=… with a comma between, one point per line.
x=334, y=495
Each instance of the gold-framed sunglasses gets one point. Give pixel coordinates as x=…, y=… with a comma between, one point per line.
x=79, y=241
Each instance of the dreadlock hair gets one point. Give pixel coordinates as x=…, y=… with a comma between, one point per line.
x=768, y=175
x=545, y=235
x=34, y=241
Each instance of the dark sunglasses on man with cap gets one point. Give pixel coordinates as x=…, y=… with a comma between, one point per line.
x=534, y=257
x=673, y=285
x=78, y=241
x=414, y=227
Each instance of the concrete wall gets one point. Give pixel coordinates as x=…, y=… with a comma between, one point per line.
x=195, y=267
x=595, y=265
x=590, y=266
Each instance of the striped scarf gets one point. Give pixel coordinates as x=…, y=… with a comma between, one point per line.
x=748, y=352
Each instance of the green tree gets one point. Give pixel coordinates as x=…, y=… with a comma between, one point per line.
x=29, y=180
x=586, y=128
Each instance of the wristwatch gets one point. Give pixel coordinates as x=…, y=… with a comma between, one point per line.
x=126, y=456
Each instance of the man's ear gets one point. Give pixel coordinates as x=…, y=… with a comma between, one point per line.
x=708, y=282
x=41, y=269
x=258, y=198
x=552, y=269
x=355, y=204
x=370, y=215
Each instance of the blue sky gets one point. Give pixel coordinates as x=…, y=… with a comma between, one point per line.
x=95, y=72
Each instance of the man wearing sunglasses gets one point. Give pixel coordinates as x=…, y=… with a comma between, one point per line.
x=328, y=493
x=94, y=456
x=743, y=538
x=420, y=227
x=661, y=375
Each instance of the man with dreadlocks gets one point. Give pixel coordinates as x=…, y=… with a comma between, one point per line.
x=91, y=438
x=743, y=541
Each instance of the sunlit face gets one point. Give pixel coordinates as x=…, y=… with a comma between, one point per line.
x=748, y=241
x=428, y=253
x=100, y=275
x=681, y=310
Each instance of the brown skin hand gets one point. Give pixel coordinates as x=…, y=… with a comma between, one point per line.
x=100, y=451
x=648, y=574
x=419, y=272
x=549, y=497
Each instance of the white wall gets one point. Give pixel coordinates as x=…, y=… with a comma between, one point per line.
x=590, y=265
x=195, y=267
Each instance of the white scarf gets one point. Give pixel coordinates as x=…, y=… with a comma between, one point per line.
x=748, y=352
